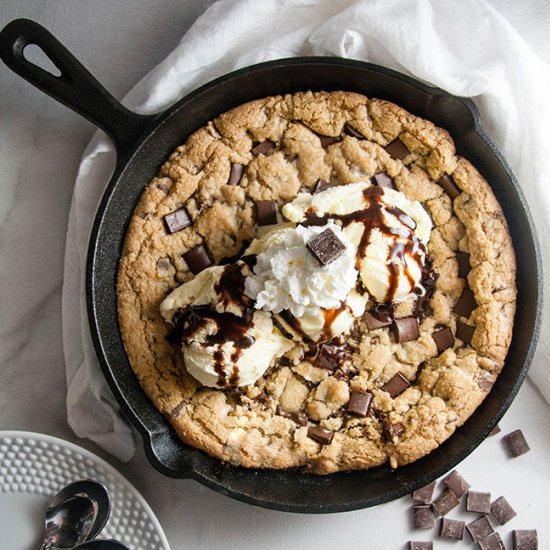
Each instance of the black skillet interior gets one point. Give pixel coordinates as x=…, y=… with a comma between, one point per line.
x=143, y=144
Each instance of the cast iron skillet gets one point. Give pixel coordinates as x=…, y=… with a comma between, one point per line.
x=144, y=142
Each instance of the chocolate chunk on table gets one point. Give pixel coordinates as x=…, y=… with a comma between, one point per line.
x=492, y=542
x=423, y=516
x=266, y=212
x=463, y=259
x=396, y=385
x=496, y=430
x=421, y=545
x=397, y=149
x=451, y=529
x=406, y=329
x=359, y=403
x=177, y=220
x=502, y=511
x=516, y=443
x=236, y=174
x=480, y=528
x=449, y=186
x=443, y=339
x=321, y=435
x=424, y=494
x=322, y=185
x=374, y=323
x=326, y=247
x=263, y=148
x=197, y=259
x=466, y=303
x=456, y=483
x=445, y=502
x=464, y=332
x=477, y=501
x=383, y=180
x=353, y=132
x=525, y=539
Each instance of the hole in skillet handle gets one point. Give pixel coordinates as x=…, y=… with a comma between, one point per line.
x=35, y=54
x=30, y=50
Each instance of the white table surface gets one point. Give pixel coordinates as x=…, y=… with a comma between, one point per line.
x=41, y=143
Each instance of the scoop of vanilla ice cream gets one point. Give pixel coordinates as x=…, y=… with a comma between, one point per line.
x=288, y=277
x=228, y=364
x=231, y=345
x=390, y=260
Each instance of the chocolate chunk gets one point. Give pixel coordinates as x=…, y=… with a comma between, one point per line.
x=177, y=220
x=463, y=259
x=383, y=180
x=464, y=332
x=485, y=382
x=397, y=149
x=263, y=148
x=492, y=542
x=315, y=220
x=373, y=323
x=321, y=435
x=197, y=259
x=423, y=517
x=451, y=529
x=477, y=501
x=496, y=430
x=502, y=511
x=420, y=545
x=326, y=247
x=353, y=132
x=329, y=356
x=406, y=329
x=479, y=529
x=290, y=157
x=163, y=263
x=456, y=483
x=359, y=403
x=235, y=175
x=266, y=212
x=322, y=185
x=449, y=186
x=443, y=339
x=466, y=303
x=424, y=494
x=394, y=430
x=328, y=140
x=516, y=444
x=525, y=539
x=396, y=385
x=445, y=502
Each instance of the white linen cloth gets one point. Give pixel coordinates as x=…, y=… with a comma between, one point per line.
x=466, y=48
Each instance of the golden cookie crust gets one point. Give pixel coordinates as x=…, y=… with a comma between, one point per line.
x=266, y=425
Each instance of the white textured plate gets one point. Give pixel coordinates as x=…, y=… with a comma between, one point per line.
x=33, y=467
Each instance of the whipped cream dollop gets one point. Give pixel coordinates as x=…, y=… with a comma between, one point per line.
x=225, y=342
x=288, y=277
x=389, y=232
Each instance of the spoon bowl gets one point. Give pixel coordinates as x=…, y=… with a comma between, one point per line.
x=77, y=513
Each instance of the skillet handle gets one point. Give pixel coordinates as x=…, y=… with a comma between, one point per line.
x=75, y=87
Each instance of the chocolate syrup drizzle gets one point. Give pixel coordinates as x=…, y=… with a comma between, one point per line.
x=230, y=327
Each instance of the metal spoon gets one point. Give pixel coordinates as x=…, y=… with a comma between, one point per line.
x=105, y=544
x=77, y=513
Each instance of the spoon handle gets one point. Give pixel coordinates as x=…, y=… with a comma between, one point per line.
x=47, y=545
